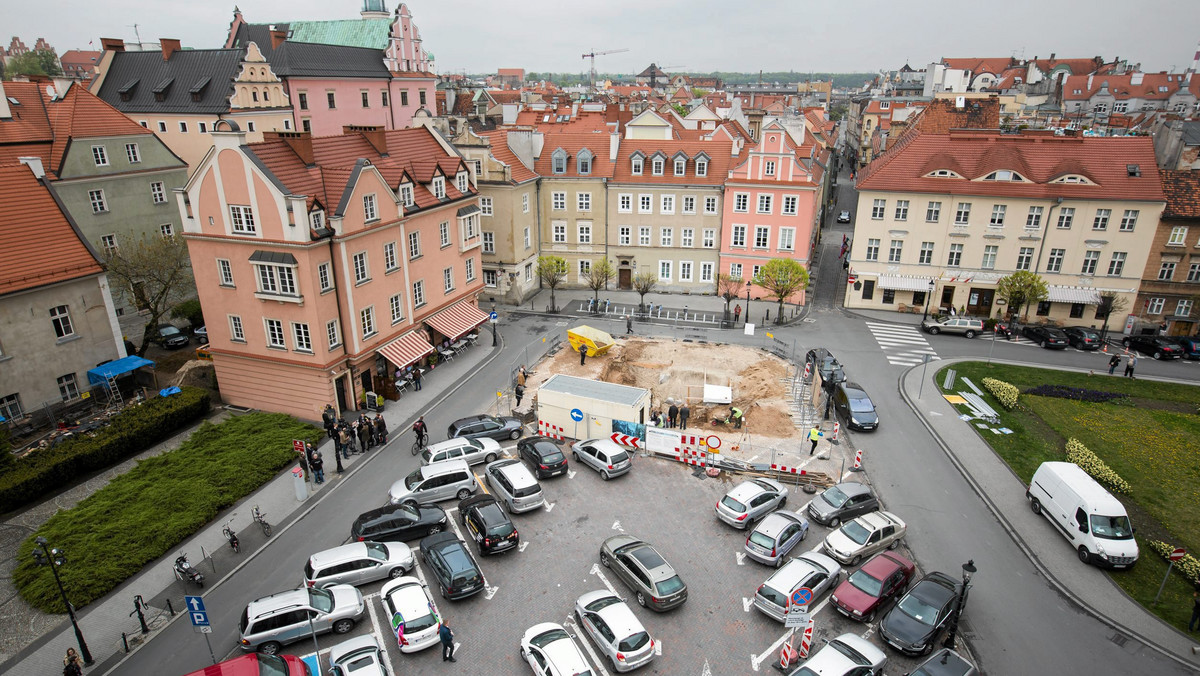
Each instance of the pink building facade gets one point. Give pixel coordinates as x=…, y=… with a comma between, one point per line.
x=325, y=264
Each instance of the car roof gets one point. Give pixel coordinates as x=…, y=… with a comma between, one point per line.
x=607, y=445
x=355, y=644
x=853, y=488
x=284, y=599
x=354, y=550
x=456, y=442
x=438, y=539
x=565, y=657
x=880, y=519
x=469, y=419
x=936, y=587
x=955, y=665
x=854, y=390
x=541, y=444
x=654, y=562
x=620, y=619
x=409, y=596
x=775, y=522
x=474, y=501
x=885, y=563
x=745, y=490
x=516, y=471
x=791, y=573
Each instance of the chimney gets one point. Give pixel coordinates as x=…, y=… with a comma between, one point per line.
x=169, y=47
x=34, y=164
x=5, y=112
x=301, y=144
x=112, y=44
x=614, y=144
x=1052, y=55
x=277, y=37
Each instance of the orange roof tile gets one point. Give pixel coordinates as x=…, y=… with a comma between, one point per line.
x=500, y=150
x=29, y=119
x=572, y=143
x=977, y=65
x=718, y=152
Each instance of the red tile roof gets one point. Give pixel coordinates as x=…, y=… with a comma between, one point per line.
x=1122, y=86
x=573, y=143
x=978, y=65
x=505, y=95
x=1076, y=66
x=30, y=121
x=718, y=151
x=1183, y=194
x=500, y=150
x=38, y=245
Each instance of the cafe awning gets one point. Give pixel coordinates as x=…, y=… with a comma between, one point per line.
x=406, y=349
x=1073, y=294
x=897, y=283
x=457, y=320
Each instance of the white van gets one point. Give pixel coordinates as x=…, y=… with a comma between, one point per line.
x=1090, y=517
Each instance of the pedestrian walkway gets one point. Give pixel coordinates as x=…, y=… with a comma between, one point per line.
x=902, y=345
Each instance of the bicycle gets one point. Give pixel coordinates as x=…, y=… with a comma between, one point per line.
x=262, y=521
x=420, y=444
x=231, y=536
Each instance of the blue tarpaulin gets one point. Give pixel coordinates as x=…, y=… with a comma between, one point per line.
x=101, y=374
x=166, y=392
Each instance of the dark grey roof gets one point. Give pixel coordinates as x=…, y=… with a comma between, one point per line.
x=1191, y=133
x=277, y=257
x=560, y=383
x=181, y=80
x=259, y=34
x=303, y=59
x=468, y=210
x=344, y=202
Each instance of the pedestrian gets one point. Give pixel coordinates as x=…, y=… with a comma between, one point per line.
x=737, y=313
x=684, y=414
x=672, y=413
x=380, y=429
x=521, y=374
x=813, y=435
x=329, y=417
x=582, y=354
x=519, y=391
x=1191, y=624
x=316, y=464
x=337, y=457
x=417, y=379
x=72, y=664
x=447, y=638
x=628, y=324
x=1113, y=363
x=1130, y=365
x=347, y=437
x=364, y=435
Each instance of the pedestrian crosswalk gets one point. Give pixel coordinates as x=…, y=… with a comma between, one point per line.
x=902, y=345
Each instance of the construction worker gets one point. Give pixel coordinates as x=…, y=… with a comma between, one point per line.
x=735, y=414
x=813, y=435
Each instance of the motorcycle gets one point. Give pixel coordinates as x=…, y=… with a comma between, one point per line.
x=186, y=573
x=1006, y=330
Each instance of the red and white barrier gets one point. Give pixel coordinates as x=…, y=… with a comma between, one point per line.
x=788, y=655
x=690, y=457
x=625, y=440
x=806, y=640
x=807, y=369
x=857, y=461
x=789, y=470
x=546, y=429
x=837, y=428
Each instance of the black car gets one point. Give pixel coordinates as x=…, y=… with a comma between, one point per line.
x=1155, y=346
x=1082, y=337
x=855, y=406
x=486, y=523
x=913, y=624
x=170, y=336
x=453, y=568
x=544, y=457
x=1189, y=345
x=397, y=523
x=1046, y=336
x=826, y=364
x=493, y=427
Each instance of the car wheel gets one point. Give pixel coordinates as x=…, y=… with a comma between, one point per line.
x=855, y=561
x=396, y=572
x=490, y=457
x=463, y=494
x=641, y=599
x=1043, y=344
x=783, y=501
x=869, y=617
x=516, y=434
x=343, y=626
x=835, y=522
x=436, y=528
x=575, y=455
x=893, y=544
x=605, y=476
x=1084, y=556
x=928, y=648
x=933, y=330
x=969, y=334
x=269, y=648
x=1125, y=342
x=1158, y=355
x=604, y=560
x=507, y=507
x=1035, y=506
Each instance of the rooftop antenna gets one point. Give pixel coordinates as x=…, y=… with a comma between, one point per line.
x=139, y=36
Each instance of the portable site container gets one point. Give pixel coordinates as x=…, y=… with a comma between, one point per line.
x=598, y=342
x=599, y=402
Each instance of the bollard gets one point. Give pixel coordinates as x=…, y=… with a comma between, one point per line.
x=125, y=641
x=806, y=640
x=170, y=610
x=837, y=427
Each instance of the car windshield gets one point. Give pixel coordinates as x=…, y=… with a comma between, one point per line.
x=1111, y=527
x=543, y=640
x=271, y=665
x=773, y=595
x=407, y=512
x=526, y=491
x=420, y=623
x=854, y=656
x=762, y=540
x=1088, y=334
x=865, y=583
x=321, y=599
x=411, y=481
x=856, y=532
x=834, y=496
x=601, y=603
x=917, y=609
x=475, y=443
x=669, y=586
x=168, y=331
x=501, y=530
x=733, y=505
x=360, y=659
x=635, y=642
x=862, y=405
x=377, y=551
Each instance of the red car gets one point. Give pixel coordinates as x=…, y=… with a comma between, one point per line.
x=883, y=576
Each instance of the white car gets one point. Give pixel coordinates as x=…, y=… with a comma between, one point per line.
x=411, y=613
x=360, y=656
x=750, y=501
x=843, y=216
x=615, y=630
x=864, y=536
x=549, y=650
x=846, y=655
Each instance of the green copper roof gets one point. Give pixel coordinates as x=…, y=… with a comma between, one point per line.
x=370, y=33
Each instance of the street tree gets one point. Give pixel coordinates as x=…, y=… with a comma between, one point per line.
x=1109, y=303
x=781, y=278
x=598, y=277
x=1022, y=289
x=729, y=288
x=157, y=272
x=33, y=62
x=552, y=272
x=643, y=283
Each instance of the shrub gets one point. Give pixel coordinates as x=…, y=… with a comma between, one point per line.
x=1188, y=566
x=189, y=310
x=1093, y=465
x=128, y=433
x=1005, y=393
x=1074, y=393
x=146, y=512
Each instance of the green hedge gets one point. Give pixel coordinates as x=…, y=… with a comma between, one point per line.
x=146, y=512
x=129, y=432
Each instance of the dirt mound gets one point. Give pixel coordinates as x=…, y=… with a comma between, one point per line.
x=195, y=373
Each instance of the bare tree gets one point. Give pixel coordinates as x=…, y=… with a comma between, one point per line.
x=643, y=283
x=729, y=288
x=158, y=273
x=598, y=277
x=781, y=277
x=552, y=271
x=1109, y=303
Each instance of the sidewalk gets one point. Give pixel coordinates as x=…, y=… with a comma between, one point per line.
x=666, y=309
x=103, y=622
x=1004, y=494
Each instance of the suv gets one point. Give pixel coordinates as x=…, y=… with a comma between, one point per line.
x=170, y=336
x=474, y=451
x=513, y=485
x=958, y=325
x=357, y=563
x=273, y=621
x=852, y=403
x=486, y=524
x=485, y=426
x=602, y=455
x=826, y=364
x=543, y=455
x=453, y=567
x=1155, y=346
x=396, y=523
x=431, y=483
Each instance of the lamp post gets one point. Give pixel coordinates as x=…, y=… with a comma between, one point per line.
x=748, y=285
x=969, y=569
x=932, y=286
x=55, y=558
x=495, y=338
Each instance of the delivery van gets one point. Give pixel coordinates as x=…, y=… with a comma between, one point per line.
x=1089, y=517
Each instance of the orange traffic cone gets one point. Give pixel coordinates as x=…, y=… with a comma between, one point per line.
x=1105, y=349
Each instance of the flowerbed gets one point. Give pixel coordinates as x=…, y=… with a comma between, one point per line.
x=1004, y=392
x=1074, y=393
x=1093, y=465
x=1188, y=566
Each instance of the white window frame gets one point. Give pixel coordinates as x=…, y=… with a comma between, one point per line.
x=132, y=152
x=276, y=280
x=962, y=213
x=765, y=203
x=708, y=238
x=100, y=155
x=332, y=334
x=469, y=265
x=1091, y=260
x=741, y=202
x=624, y=235
x=448, y=279
x=558, y=233
x=901, y=210
x=762, y=237
x=558, y=201
x=1100, y=222
x=925, y=255
x=706, y=271
x=224, y=272
x=366, y=322
x=325, y=276
x=1183, y=307
x=990, y=253
x=98, y=202
x=680, y=167
x=1178, y=236
x=444, y=232
x=274, y=333
x=687, y=205
x=237, y=331
x=1033, y=220
x=1116, y=264
x=1166, y=271
x=664, y=271
x=954, y=256
x=645, y=204
x=419, y=299
x=362, y=267
x=791, y=205
x=666, y=237
x=1066, y=216
x=241, y=220
x=687, y=237
x=390, y=260
x=301, y=337
x=702, y=168
x=645, y=232
x=999, y=211
x=1129, y=220
x=584, y=231
x=414, y=245
x=1054, y=262
x=666, y=204
x=370, y=208
x=737, y=236
x=525, y=203
x=933, y=212
x=872, y=251
x=625, y=203
x=60, y=319
x=489, y=242
x=768, y=167
x=685, y=271
x=878, y=208
x=895, y=250
x=491, y=278
x=710, y=205
x=583, y=201
x=439, y=187
x=787, y=239
x=485, y=205
x=1155, y=306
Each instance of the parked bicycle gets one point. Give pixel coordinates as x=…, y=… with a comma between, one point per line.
x=261, y=519
x=231, y=536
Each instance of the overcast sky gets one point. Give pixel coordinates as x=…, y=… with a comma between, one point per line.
x=684, y=35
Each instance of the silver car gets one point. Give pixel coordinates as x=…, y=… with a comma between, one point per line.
x=864, y=536
x=273, y=621
x=775, y=536
x=615, y=630
x=474, y=451
x=811, y=569
x=846, y=655
x=751, y=500
x=358, y=563
x=513, y=485
x=639, y=565
x=359, y=656
x=602, y=455
x=960, y=325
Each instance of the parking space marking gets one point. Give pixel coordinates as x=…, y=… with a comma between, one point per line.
x=570, y=474
x=657, y=648
x=379, y=633
x=756, y=660
x=482, y=485
x=600, y=574
x=617, y=526
x=521, y=547
x=587, y=645
x=548, y=505
x=488, y=590
x=741, y=558
x=707, y=669
x=747, y=604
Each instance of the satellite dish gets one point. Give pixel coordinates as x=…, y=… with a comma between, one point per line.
x=51, y=93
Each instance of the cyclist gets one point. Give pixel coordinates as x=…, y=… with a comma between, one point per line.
x=421, y=431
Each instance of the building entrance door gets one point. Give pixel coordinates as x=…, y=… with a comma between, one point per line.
x=340, y=386
x=625, y=278
x=979, y=302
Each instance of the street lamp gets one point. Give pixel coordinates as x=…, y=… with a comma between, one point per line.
x=748, y=285
x=55, y=558
x=969, y=569
x=932, y=285
x=495, y=338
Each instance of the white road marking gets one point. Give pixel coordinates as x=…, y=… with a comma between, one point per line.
x=658, y=647
x=741, y=558
x=521, y=547
x=489, y=592
x=600, y=574
x=617, y=526
x=746, y=603
x=587, y=645
x=570, y=474
x=708, y=670
x=756, y=660
x=549, y=506
x=379, y=632
x=454, y=523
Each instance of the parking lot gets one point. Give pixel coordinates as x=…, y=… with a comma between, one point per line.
x=670, y=505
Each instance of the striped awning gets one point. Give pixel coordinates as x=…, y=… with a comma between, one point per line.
x=406, y=349
x=457, y=320
x=1073, y=294
x=897, y=283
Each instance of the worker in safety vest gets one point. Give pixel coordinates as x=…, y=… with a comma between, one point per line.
x=813, y=435
x=736, y=414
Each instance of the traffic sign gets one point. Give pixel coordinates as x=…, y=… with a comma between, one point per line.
x=850, y=279
x=576, y=415
x=493, y=316
x=196, y=611
x=1178, y=554
x=297, y=446
x=713, y=441
x=796, y=618
x=802, y=596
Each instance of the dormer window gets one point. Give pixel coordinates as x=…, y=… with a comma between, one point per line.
x=317, y=218
x=680, y=166
x=885, y=105
x=942, y=173
x=461, y=181
x=701, y=167
x=406, y=194
x=1072, y=178
x=558, y=161
x=1004, y=175
x=439, y=187
x=584, y=162
x=636, y=165
x=657, y=166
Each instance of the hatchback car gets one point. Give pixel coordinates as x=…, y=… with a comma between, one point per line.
x=846, y=655
x=615, y=630
x=487, y=524
x=271, y=622
x=843, y=216
x=865, y=591
x=776, y=535
x=750, y=501
x=397, y=523
x=412, y=613
x=513, y=485
x=945, y=662
x=1082, y=337
x=602, y=455
x=549, y=650
x=912, y=625
x=811, y=569
x=1190, y=345
x=1048, y=337
x=864, y=536
x=170, y=336
x=359, y=656
x=545, y=458
x=1155, y=346
x=843, y=501
x=453, y=567
x=358, y=563
x=826, y=364
x=961, y=326
x=639, y=565
x=473, y=451
x=485, y=426
x=854, y=405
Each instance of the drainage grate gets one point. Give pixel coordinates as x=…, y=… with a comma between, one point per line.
x=1119, y=639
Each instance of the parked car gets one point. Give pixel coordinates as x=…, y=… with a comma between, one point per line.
x=257, y=665
x=358, y=563
x=811, y=569
x=397, y=523
x=407, y=602
x=867, y=589
x=913, y=624
x=436, y=482
x=1155, y=346
x=864, y=536
x=945, y=662
x=486, y=523
x=776, y=535
x=602, y=455
x=656, y=584
x=544, y=456
x=473, y=451
x=513, y=485
x=1086, y=514
x=549, y=650
x=854, y=405
x=1082, y=337
x=271, y=622
x=961, y=326
x=485, y=427
x=170, y=336
x=846, y=655
x=453, y=567
x=826, y=364
x=201, y=335
x=359, y=656
x=843, y=501
x=843, y=216
x=1048, y=337
x=615, y=630
x=750, y=501
x=1189, y=344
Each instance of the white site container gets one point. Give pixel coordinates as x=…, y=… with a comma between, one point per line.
x=599, y=402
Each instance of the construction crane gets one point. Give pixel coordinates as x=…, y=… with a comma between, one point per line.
x=592, y=55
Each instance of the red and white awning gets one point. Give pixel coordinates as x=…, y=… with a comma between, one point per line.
x=406, y=349
x=457, y=320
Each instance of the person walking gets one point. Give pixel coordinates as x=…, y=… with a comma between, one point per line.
x=447, y=638
x=628, y=324
x=72, y=664
x=813, y=436
x=582, y=354
x=684, y=413
x=1195, y=610
x=417, y=379
x=1113, y=363
x=1130, y=365
x=672, y=413
x=380, y=429
x=329, y=417
x=737, y=313
x=519, y=392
